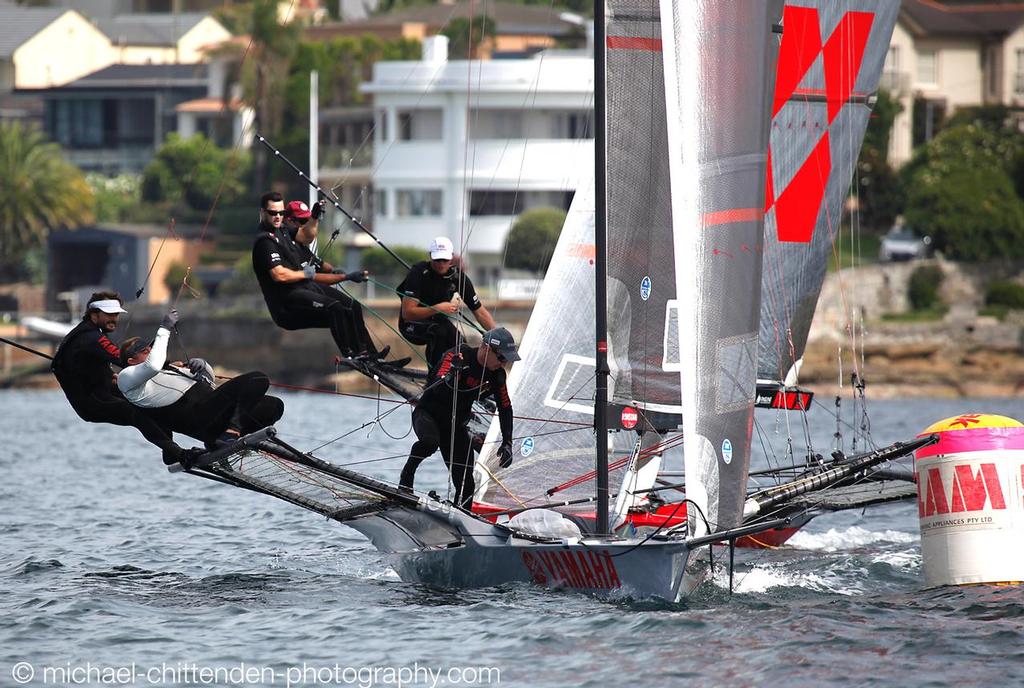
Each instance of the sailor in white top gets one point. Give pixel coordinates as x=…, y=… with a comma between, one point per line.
x=149, y=384
x=183, y=398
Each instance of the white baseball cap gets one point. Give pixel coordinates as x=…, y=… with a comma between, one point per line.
x=109, y=306
x=441, y=249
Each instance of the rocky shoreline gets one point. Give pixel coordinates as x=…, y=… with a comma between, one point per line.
x=963, y=355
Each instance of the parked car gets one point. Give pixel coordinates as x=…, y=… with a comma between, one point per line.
x=903, y=243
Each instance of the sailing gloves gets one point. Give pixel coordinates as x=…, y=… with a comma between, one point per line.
x=357, y=277
x=317, y=211
x=308, y=271
x=170, y=320
x=505, y=454
x=200, y=369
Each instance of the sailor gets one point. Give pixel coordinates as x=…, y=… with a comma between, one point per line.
x=183, y=398
x=431, y=296
x=82, y=367
x=297, y=294
x=464, y=374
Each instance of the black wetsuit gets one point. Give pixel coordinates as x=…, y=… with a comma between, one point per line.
x=460, y=380
x=82, y=367
x=429, y=288
x=305, y=304
x=241, y=403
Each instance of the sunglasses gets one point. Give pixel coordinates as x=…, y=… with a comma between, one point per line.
x=273, y=212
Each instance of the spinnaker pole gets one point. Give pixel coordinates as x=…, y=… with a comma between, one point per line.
x=601, y=268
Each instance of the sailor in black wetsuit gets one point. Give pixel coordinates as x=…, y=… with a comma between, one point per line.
x=183, y=398
x=430, y=296
x=82, y=367
x=464, y=375
x=297, y=294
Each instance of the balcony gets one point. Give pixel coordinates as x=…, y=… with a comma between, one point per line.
x=121, y=160
x=347, y=161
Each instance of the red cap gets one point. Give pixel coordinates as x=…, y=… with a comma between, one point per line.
x=297, y=210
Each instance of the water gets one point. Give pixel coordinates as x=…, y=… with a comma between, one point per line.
x=108, y=560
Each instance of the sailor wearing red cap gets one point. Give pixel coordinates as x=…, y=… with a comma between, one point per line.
x=297, y=293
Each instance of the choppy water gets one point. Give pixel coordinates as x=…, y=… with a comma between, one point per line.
x=106, y=561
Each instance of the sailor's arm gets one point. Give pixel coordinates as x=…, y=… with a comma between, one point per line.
x=307, y=232
x=484, y=317
x=283, y=275
x=413, y=311
x=138, y=375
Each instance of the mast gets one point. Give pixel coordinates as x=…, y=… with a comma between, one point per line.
x=600, y=270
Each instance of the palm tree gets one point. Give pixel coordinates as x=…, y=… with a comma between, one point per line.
x=261, y=69
x=41, y=191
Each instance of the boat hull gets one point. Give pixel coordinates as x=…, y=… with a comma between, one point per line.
x=437, y=545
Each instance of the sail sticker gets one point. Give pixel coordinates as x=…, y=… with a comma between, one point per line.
x=630, y=417
x=527, y=447
x=727, y=450
x=645, y=288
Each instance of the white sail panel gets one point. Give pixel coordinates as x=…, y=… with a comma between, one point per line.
x=719, y=61
x=552, y=387
x=829, y=66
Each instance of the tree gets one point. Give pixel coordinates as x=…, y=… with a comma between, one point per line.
x=532, y=239
x=878, y=188
x=467, y=37
x=193, y=172
x=41, y=191
x=959, y=191
x=262, y=67
x=384, y=268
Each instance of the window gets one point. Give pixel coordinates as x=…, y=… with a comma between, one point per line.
x=418, y=202
x=382, y=125
x=420, y=125
x=1018, y=75
x=927, y=67
x=496, y=202
x=380, y=203
x=496, y=124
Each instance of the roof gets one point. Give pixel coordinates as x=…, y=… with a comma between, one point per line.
x=21, y=23
x=208, y=105
x=141, y=76
x=149, y=29
x=509, y=18
x=930, y=17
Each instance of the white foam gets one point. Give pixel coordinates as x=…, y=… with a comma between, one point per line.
x=763, y=578
x=906, y=560
x=850, y=538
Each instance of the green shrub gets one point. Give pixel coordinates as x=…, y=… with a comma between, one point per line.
x=532, y=239
x=176, y=276
x=1005, y=293
x=923, y=288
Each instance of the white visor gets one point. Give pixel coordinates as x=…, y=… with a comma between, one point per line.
x=107, y=306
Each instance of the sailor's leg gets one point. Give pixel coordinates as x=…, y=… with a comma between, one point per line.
x=461, y=466
x=428, y=439
x=349, y=315
x=267, y=411
x=306, y=308
x=443, y=336
x=118, y=411
x=226, y=406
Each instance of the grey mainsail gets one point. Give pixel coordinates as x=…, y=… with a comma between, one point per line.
x=719, y=71
x=829, y=65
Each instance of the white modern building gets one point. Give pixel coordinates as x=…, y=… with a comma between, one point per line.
x=461, y=148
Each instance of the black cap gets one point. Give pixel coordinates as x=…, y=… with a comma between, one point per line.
x=501, y=342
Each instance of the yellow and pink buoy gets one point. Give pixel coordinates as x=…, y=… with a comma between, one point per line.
x=969, y=488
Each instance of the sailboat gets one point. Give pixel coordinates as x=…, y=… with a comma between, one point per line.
x=683, y=161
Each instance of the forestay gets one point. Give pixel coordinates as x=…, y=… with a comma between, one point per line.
x=829, y=66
